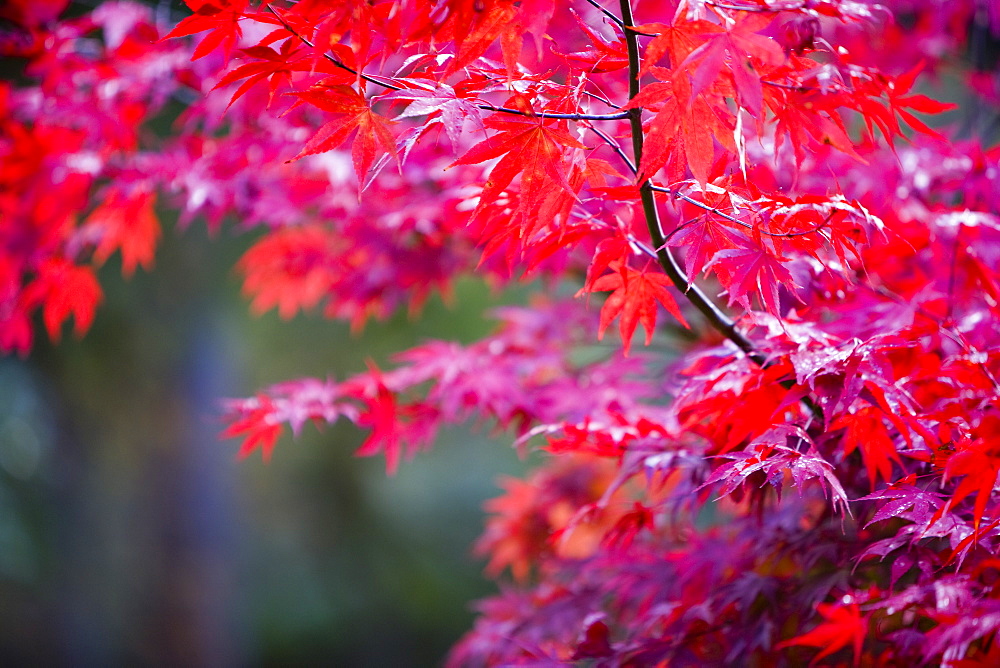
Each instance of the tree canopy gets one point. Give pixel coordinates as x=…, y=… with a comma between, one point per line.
x=797, y=459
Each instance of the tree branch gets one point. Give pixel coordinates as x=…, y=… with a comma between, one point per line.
x=774, y=9
x=615, y=146
x=716, y=318
x=485, y=107
x=722, y=214
x=333, y=60
x=668, y=262
x=610, y=15
x=570, y=117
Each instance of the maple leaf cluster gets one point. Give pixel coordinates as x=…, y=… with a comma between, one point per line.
x=799, y=465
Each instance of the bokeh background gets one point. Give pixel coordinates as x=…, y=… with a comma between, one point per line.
x=130, y=534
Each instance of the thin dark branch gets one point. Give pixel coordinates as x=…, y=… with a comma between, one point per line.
x=722, y=214
x=333, y=60
x=667, y=261
x=610, y=15
x=757, y=8
x=701, y=205
x=641, y=246
x=616, y=147
x=719, y=320
x=734, y=8
x=601, y=99
x=798, y=89
x=569, y=117
x=643, y=34
x=680, y=227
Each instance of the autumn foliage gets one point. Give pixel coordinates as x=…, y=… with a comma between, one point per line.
x=801, y=462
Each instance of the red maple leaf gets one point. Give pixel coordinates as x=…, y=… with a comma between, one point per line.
x=735, y=50
x=291, y=269
x=701, y=239
x=604, y=56
x=899, y=101
x=258, y=428
x=528, y=147
x=844, y=625
x=394, y=426
x=277, y=67
x=126, y=223
x=978, y=461
x=442, y=105
x=628, y=526
x=476, y=25
x=810, y=117
x=676, y=41
x=64, y=289
x=684, y=130
x=635, y=296
x=866, y=431
x=352, y=113
x=751, y=270
x=220, y=17
x=884, y=115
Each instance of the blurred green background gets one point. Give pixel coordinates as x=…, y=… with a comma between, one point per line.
x=130, y=534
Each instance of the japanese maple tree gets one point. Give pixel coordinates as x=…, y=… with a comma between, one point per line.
x=801, y=462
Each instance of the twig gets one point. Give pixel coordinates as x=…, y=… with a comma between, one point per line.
x=570, y=117
x=616, y=147
x=601, y=99
x=485, y=107
x=333, y=60
x=757, y=8
x=701, y=205
x=798, y=89
x=610, y=15
x=722, y=214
